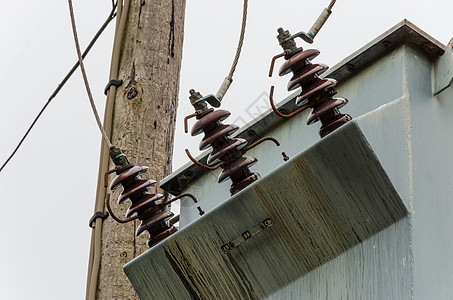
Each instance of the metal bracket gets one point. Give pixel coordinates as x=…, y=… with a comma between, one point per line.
x=443, y=70
x=196, y=99
x=306, y=37
x=267, y=223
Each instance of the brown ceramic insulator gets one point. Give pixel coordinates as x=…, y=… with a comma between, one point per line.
x=155, y=218
x=316, y=92
x=225, y=149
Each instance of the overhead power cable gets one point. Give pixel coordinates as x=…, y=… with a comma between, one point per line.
x=241, y=40
x=63, y=82
x=229, y=79
x=85, y=78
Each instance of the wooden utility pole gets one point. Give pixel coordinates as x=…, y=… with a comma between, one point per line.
x=144, y=117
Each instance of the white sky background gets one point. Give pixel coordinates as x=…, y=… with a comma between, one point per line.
x=47, y=191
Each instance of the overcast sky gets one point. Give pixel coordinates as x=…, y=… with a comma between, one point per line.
x=47, y=191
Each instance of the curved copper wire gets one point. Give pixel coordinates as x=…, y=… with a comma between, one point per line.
x=271, y=70
x=180, y=196
x=268, y=138
x=106, y=176
x=200, y=211
x=109, y=208
x=107, y=201
x=211, y=168
x=186, y=130
x=278, y=113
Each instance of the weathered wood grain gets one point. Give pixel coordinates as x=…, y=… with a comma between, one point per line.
x=144, y=122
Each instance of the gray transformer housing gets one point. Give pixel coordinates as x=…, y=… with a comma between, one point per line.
x=364, y=213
